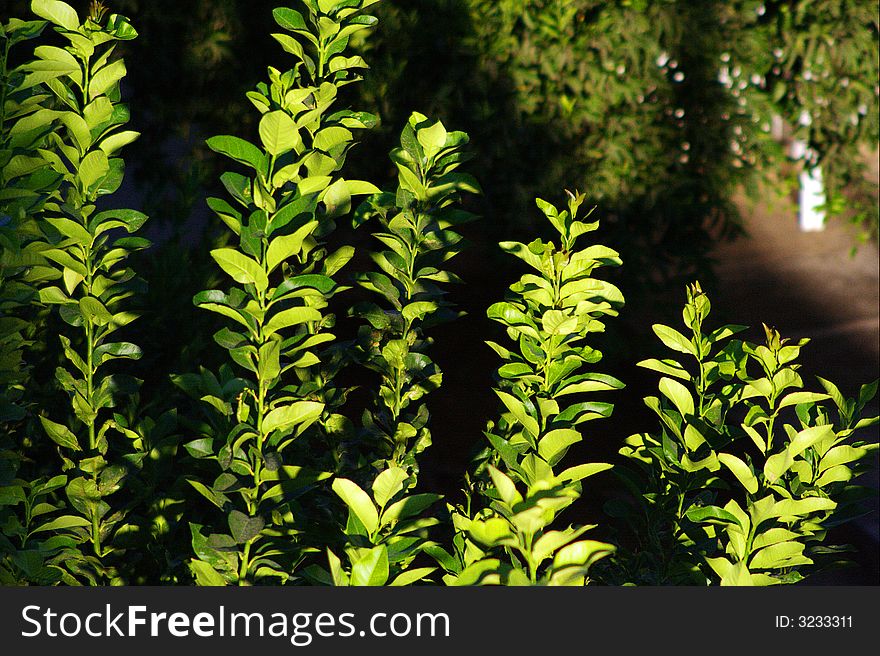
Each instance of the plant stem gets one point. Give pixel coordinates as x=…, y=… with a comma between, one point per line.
x=96, y=535
x=258, y=466
x=245, y=563
x=90, y=389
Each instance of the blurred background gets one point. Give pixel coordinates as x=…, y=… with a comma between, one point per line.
x=686, y=123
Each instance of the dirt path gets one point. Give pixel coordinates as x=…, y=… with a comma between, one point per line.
x=807, y=285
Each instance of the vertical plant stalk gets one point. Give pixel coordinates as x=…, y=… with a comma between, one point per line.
x=285, y=208
x=35, y=533
x=416, y=225
x=506, y=537
x=743, y=501
x=669, y=549
x=384, y=533
x=87, y=259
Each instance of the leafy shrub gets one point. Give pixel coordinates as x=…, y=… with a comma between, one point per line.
x=548, y=316
x=738, y=428
x=272, y=476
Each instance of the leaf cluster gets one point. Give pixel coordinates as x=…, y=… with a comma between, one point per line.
x=749, y=470
x=548, y=316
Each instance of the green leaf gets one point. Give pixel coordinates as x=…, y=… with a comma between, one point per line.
x=492, y=532
x=299, y=414
x=244, y=528
x=800, y=397
x=53, y=53
x=291, y=317
x=552, y=541
x=337, y=198
x=71, y=230
x=279, y=133
x=284, y=247
x=773, y=536
x=217, y=498
x=131, y=220
x=371, y=568
x=11, y=495
x=841, y=455
x=238, y=186
x=205, y=574
x=679, y=395
x=330, y=137
x=93, y=310
x=522, y=252
x=432, y=138
x=505, y=487
x=388, y=484
x=202, y=447
x=711, y=515
x=293, y=477
x=726, y=331
x=61, y=523
x=59, y=13
x=580, y=472
x=418, y=310
x=674, y=339
x=359, y=502
x=554, y=444
x=106, y=77
x=240, y=150
x=557, y=322
x=518, y=410
x=289, y=19
x=84, y=496
x=119, y=27
x=668, y=367
x=582, y=553
x=730, y=573
x=241, y=268
x=778, y=555
x=800, y=507
x=780, y=463
x=116, y=141
x=412, y=576
x=94, y=167
x=868, y=391
x=114, y=350
x=113, y=180
x=408, y=507
x=590, y=382
x=60, y=434
x=290, y=45
x=741, y=470
x=510, y=315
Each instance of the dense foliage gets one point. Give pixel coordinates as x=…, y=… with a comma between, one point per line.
x=291, y=454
